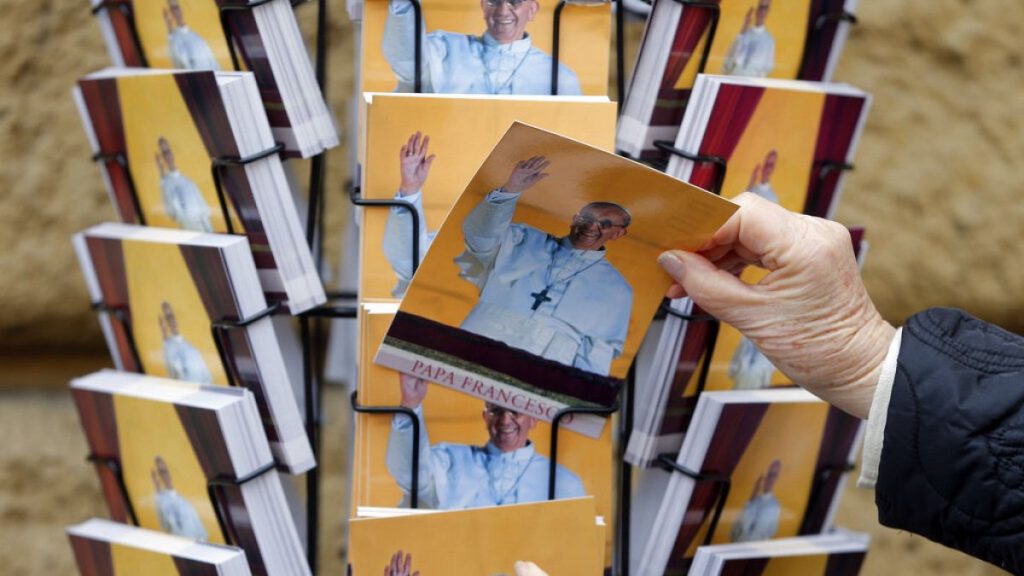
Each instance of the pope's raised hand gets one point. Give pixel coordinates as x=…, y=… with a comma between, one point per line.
x=415, y=163
x=413, y=389
x=525, y=174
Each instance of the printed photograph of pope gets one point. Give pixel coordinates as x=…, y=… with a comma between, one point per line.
x=502, y=60
x=555, y=297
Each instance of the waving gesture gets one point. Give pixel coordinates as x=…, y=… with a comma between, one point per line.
x=526, y=174
x=415, y=164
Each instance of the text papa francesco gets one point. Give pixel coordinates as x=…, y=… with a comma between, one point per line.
x=507, y=397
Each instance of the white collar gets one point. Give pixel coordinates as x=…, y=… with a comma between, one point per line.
x=516, y=47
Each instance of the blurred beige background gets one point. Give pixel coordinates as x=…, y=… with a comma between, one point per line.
x=939, y=185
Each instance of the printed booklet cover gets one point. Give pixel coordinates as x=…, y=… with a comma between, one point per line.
x=160, y=291
x=158, y=444
x=424, y=149
x=158, y=133
x=543, y=279
x=189, y=35
x=472, y=453
x=487, y=47
x=560, y=537
x=105, y=548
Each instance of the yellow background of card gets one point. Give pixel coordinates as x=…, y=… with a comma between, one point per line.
x=788, y=122
x=787, y=23
x=666, y=214
x=583, y=28
x=462, y=132
x=157, y=273
x=130, y=561
x=791, y=433
x=808, y=565
x=147, y=429
x=151, y=107
x=557, y=536
x=457, y=418
x=201, y=16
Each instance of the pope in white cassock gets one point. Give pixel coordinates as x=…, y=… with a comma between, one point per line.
x=182, y=200
x=749, y=368
x=182, y=360
x=187, y=49
x=752, y=53
x=556, y=297
x=176, y=514
x=759, y=519
x=507, y=470
x=501, y=61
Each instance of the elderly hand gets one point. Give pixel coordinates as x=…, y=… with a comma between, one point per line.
x=811, y=315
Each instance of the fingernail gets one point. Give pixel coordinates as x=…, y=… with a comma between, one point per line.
x=672, y=264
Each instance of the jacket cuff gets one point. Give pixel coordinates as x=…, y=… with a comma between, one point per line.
x=871, y=454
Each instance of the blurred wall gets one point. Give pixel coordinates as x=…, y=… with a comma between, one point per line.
x=938, y=184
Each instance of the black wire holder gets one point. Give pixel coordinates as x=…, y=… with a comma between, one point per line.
x=668, y=463
x=212, y=486
x=217, y=166
x=556, y=36
x=356, y=197
x=220, y=330
x=409, y=413
x=709, y=349
x=720, y=163
x=122, y=161
x=114, y=466
x=129, y=15
x=120, y=314
x=820, y=23
x=825, y=168
x=825, y=473
x=556, y=424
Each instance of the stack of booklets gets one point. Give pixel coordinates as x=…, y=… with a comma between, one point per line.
x=201, y=34
x=105, y=548
x=786, y=141
x=560, y=537
x=837, y=554
x=160, y=293
x=786, y=40
x=191, y=461
x=169, y=144
x=783, y=453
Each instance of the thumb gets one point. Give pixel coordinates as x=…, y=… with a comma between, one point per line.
x=718, y=292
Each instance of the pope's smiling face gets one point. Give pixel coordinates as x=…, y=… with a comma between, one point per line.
x=592, y=227
x=507, y=19
x=508, y=430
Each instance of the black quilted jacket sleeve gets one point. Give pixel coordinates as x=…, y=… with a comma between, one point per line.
x=952, y=465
